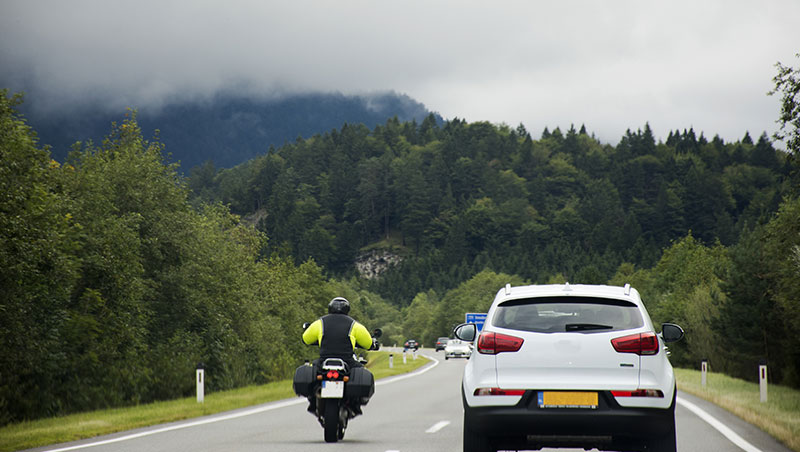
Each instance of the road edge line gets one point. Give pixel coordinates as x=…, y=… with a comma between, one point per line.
x=719, y=426
x=247, y=412
x=425, y=368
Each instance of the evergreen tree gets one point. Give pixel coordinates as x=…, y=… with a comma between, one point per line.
x=38, y=239
x=787, y=84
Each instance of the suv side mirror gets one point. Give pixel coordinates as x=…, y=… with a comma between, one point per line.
x=671, y=332
x=466, y=332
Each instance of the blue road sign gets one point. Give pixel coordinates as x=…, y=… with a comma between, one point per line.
x=478, y=318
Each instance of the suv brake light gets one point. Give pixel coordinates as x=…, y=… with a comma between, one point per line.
x=639, y=343
x=498, y=391
x=639, y=393
x=491, y=343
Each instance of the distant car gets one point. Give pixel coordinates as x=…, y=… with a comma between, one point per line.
x=457, y=349
x=411, y=344
x=569, y=365
x=441, y=342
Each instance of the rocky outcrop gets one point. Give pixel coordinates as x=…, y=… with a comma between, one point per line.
x=371, y=264
x=254, y=218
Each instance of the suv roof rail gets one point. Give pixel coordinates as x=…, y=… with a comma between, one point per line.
x=508, y=289
x=627, y=289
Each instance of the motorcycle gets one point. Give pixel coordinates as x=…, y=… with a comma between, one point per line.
x=335, y=391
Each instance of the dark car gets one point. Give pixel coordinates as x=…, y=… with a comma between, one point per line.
x=441, y=342
x=411, y=344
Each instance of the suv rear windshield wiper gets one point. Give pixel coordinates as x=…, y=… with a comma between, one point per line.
x=586, y=326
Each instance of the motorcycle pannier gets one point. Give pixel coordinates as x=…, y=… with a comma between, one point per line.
x=361, y=384
x=303, y=381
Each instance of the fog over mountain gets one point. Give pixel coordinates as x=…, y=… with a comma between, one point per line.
x=609, y=65
x=228, y=128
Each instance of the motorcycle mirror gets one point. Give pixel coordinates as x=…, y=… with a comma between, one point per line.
x=377, y=332
x=306, y=325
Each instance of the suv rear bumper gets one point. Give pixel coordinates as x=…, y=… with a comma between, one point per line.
x=609, y=423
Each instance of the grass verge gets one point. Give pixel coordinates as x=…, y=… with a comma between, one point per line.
x=42, y=432
x=779, y=415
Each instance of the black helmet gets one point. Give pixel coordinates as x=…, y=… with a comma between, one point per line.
x=339, y=305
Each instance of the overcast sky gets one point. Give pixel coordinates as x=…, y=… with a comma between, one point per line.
x=611, y=65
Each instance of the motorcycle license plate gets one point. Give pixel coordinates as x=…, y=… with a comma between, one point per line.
x=332, y=389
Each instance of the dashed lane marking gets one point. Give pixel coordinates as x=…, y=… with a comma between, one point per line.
x=437, y=426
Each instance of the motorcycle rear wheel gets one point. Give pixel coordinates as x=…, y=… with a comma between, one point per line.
x=331, y=419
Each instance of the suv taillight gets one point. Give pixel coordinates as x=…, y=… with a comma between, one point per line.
x=639, y=343
x=491, y=343
x=639, y=393
x=498, y=392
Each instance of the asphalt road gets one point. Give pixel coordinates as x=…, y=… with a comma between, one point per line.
x=419, y=412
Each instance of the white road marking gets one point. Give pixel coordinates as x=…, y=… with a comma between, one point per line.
x=437, y=426
x=238, y=414
x=273, y=406
x=722, y=428
x=386, y=381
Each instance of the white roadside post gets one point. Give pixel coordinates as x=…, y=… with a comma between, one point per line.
x=404, y=356
x=200, y=379
x=391, y=361
x=762, y=380
x=703, y=371
x=415, y=354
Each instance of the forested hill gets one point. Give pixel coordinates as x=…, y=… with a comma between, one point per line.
x=708, y=231
x=226, y=129
x=451, y=200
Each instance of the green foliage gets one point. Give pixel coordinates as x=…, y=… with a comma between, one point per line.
x=119, y=275
x=783, y=248
x=37, y=257
x=468, y=196
x=116, y=287
x=418, y=317
x=738, y=305
x=473, y=295
x=671, y=218
x=787, y=84
x=763, y=293
x=684, y=288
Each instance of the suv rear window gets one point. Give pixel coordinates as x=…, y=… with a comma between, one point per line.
x=567, y=314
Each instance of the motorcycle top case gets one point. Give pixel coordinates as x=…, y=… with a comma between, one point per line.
x=361, y=384
x=303, y=381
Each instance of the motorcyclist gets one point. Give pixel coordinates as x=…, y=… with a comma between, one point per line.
x=337, y=334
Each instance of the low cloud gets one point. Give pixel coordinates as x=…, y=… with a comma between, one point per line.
x=611, y=66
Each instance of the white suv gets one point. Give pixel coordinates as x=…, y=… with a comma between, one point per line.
x=569, y=366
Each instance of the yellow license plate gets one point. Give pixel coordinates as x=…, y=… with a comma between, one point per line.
x=567, y=399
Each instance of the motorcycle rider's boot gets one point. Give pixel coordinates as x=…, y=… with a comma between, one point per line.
x=312, y=405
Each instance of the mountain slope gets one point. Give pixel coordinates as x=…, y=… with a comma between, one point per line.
x=228, y=129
